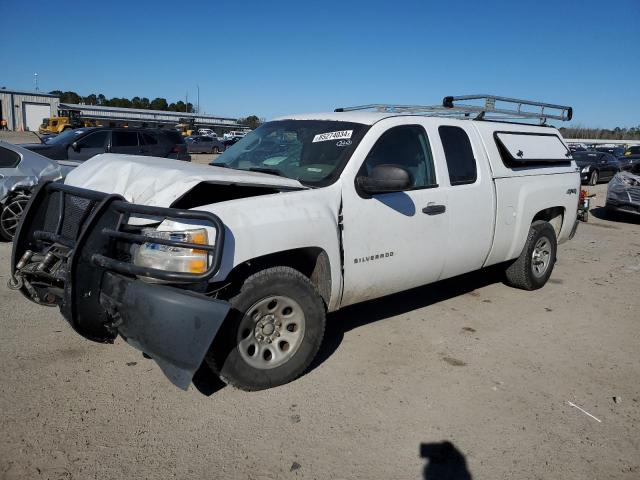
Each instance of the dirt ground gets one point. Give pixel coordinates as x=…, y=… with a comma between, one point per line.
x=467, y=361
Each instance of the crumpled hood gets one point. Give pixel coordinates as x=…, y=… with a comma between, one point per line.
x=160, y=181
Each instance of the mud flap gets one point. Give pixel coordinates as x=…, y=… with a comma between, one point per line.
x=175, y=327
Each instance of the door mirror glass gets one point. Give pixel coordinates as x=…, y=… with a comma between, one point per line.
x=384, y=179
x=75, y=146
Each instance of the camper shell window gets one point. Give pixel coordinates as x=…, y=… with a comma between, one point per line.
x=527, y=149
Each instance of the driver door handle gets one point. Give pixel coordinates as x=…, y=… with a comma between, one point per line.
x=434, y=209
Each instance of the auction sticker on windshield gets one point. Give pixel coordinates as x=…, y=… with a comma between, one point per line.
x=323, y=137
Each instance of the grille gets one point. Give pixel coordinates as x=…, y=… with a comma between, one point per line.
x=76, y=211
x=634, y=193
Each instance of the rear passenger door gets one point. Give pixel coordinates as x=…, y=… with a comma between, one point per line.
x=470, y=198
x=149, y=145
x=126, y=142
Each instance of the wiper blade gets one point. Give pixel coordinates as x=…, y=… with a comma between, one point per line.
x=272, y=171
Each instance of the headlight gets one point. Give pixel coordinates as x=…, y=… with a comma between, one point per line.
x=173, y=259
x=585, y=169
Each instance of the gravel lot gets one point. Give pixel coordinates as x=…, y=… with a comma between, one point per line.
x=467, y=361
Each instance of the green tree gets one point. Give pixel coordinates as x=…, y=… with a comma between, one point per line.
x=159, y=104
x=252, y=121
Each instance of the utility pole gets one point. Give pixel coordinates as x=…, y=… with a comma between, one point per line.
x=35, y=80
x=198, y=87
x=186, y=102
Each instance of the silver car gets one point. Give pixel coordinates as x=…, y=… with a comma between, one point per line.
x=20, y=171
x=623, y=191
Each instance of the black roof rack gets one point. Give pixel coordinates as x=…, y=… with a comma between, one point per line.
x=491, y=107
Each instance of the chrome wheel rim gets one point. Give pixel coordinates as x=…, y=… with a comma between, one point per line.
x=11, y=214
x=271, y=332
x=541, y=257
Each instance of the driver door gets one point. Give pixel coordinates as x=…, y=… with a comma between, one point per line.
x=88, y=146
x=394, y=241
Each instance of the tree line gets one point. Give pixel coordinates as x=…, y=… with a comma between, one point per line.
x=136, y=102
x=632, y=133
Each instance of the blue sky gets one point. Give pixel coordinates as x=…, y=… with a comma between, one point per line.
x=276, y=57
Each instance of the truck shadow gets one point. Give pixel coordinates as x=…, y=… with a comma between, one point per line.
x=444, y=462
x=355, y=316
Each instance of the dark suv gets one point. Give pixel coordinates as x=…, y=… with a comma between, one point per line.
x=83, y=143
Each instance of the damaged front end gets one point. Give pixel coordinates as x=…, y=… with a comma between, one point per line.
x=623, y=192
x=75, y=249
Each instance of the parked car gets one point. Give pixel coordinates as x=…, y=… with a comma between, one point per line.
x=207, y=132
x=236, y=266
x=83, y=143
x=615, y=151
x=623, y=192
x=633, y=150
x=596, y=166
x=204, y=144
x=20, y=171
x=237, y=134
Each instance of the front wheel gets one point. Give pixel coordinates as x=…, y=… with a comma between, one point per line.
x=272, y=333
x=593, y=179
x=533, y=267
x=216, y=150
x=10, y=215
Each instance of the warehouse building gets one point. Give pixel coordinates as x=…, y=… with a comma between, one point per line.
x=24, y=110
x=132, y=117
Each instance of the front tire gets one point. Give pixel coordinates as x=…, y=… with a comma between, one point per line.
x=273, y=332
x=593, y=178
x=533, y=267
x=10, y=214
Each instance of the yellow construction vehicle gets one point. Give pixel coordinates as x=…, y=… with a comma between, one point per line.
x=186, y=127
x=65, y=120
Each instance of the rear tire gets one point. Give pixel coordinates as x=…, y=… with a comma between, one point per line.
x=273, y=331
x=216, y=150
x=533, y=267
x=593, y=178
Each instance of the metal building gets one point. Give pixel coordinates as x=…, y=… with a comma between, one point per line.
x=114, y=116
x=25, y=110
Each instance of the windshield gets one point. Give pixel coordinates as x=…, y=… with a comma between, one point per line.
x=65, y=137
x=313, y=152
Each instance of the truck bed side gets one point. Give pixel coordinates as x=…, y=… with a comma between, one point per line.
x=524, y=193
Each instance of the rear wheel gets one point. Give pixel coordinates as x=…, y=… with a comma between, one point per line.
x=10, y=215
x=273, y=332
x=216, y=150
x=533, y=267
x=593, y=178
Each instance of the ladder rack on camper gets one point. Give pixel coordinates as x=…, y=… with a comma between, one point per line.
x=492, y=108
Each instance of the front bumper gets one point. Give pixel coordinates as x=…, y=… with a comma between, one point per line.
x=175, y=327
x=69, y=251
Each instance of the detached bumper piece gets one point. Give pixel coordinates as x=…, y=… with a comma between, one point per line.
x=72, y=249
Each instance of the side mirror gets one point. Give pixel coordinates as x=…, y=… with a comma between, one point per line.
x=75, y=146
x=385, y=179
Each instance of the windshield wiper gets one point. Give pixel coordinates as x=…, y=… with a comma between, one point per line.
x=272, y=171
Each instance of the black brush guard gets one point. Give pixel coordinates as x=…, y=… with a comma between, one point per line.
x=72, y=249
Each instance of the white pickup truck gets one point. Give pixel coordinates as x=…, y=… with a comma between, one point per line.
x=236, y=264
